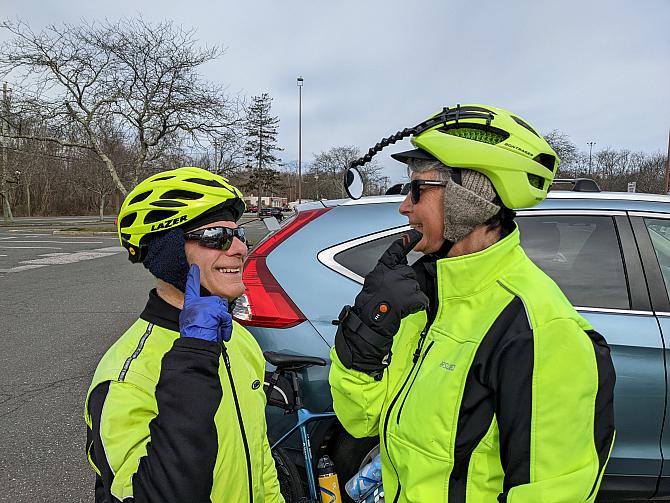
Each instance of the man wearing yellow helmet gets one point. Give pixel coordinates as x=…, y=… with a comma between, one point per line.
x=175, y=411
x=481, y=380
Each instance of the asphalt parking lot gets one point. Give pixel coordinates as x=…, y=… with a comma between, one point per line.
x=64, y=299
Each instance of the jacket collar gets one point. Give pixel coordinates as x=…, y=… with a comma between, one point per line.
x=160, y=313
x=468, y=274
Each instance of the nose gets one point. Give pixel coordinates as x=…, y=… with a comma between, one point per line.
x=237, y=248
x=406, y=206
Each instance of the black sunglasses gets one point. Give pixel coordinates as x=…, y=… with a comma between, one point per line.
x=414, y=187
x=217, y=237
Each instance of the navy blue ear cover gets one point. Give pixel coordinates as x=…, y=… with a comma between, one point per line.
x=166, y=258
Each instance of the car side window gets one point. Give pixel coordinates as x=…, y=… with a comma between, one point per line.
x=659, y=232
x=362, y=259
x=581, y=254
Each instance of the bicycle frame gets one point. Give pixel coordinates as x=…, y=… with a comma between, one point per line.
x=305, y=417
x=288, y=366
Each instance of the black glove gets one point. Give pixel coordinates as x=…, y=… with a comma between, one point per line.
x=390, y=292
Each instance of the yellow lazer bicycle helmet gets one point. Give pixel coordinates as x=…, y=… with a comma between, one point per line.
x=171, y=199
x=505, y=148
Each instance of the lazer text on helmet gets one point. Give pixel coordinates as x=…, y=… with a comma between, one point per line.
x=169, y=223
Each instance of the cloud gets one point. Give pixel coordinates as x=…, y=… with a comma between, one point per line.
x=597, y=70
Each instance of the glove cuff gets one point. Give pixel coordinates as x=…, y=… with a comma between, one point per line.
x=359, y=347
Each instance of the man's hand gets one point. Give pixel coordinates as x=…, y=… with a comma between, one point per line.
x=205, y=318
x=390, y=292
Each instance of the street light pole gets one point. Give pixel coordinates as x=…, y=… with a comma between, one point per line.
x=590, y=144
x=300, y=83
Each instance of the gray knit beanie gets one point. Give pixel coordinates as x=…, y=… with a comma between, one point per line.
x=466, y=205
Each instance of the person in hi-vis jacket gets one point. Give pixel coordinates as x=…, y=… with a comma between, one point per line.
x=481, y=380
x=175, y=411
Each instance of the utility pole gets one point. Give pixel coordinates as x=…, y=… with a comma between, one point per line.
x=667, y=167
x=590, y=144
x=260, y=163
x=4, y=187
x=300, y=83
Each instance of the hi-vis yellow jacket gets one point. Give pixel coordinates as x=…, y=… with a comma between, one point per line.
x=507, y=396
x=177, y=419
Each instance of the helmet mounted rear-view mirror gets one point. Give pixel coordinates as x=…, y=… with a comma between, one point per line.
x=353, y=183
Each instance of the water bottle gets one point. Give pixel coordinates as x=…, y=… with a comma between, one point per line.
x=329, y=487
x=369, y=476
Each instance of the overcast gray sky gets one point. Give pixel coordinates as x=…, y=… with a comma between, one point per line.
x=596, y=70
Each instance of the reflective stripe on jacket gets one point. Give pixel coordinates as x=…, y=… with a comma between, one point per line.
x=168, y=420
x=507, y=396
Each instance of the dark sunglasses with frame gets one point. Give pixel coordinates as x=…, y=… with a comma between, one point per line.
x=414, y=187
x=220, y=238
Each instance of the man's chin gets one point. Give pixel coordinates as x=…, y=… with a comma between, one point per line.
x=229, y=293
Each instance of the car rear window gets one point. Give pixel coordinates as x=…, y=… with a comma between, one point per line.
x=659, y=232
x=362, y=259
x=581, y=253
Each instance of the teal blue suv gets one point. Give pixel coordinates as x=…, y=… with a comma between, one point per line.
x=609, y=253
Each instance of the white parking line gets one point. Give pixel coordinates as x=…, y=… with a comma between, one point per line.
x=62, y=242
x=63, y=258
x=27, y=235
x=21, y=268
x=71, y=258
x=31, y=247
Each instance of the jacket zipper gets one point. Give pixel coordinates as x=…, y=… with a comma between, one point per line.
x=417, y=352
x=414, y=379
x=224, y=353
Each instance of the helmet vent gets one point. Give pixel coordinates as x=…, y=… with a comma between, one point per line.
x=127, y=221
x=524, y=124
x=140, y=197
x=209, y=183
x=158, y=215
x=168, y=204
x=489, y=135
x=160, y=178
x=535, y=181
x=547, y=160
x=181, y=194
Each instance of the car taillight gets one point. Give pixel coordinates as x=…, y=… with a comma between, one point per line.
x=265, y=303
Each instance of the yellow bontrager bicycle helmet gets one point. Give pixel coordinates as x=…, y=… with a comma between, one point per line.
x=516, y=158
x=171, y=199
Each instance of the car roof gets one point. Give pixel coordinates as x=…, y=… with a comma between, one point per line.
x=634, y=201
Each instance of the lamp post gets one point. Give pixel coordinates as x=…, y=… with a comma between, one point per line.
x=590, y=144
x=300, y=83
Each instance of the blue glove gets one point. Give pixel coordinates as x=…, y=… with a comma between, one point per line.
x=205, y=318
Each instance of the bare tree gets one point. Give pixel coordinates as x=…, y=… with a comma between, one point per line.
x=140, y=77
x=229, y=156
x=567, y=151
x=328, y=167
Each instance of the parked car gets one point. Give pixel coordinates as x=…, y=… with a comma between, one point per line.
x=272, y=212
x=609, y=252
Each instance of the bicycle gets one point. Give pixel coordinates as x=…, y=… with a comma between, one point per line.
x=287, y=368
